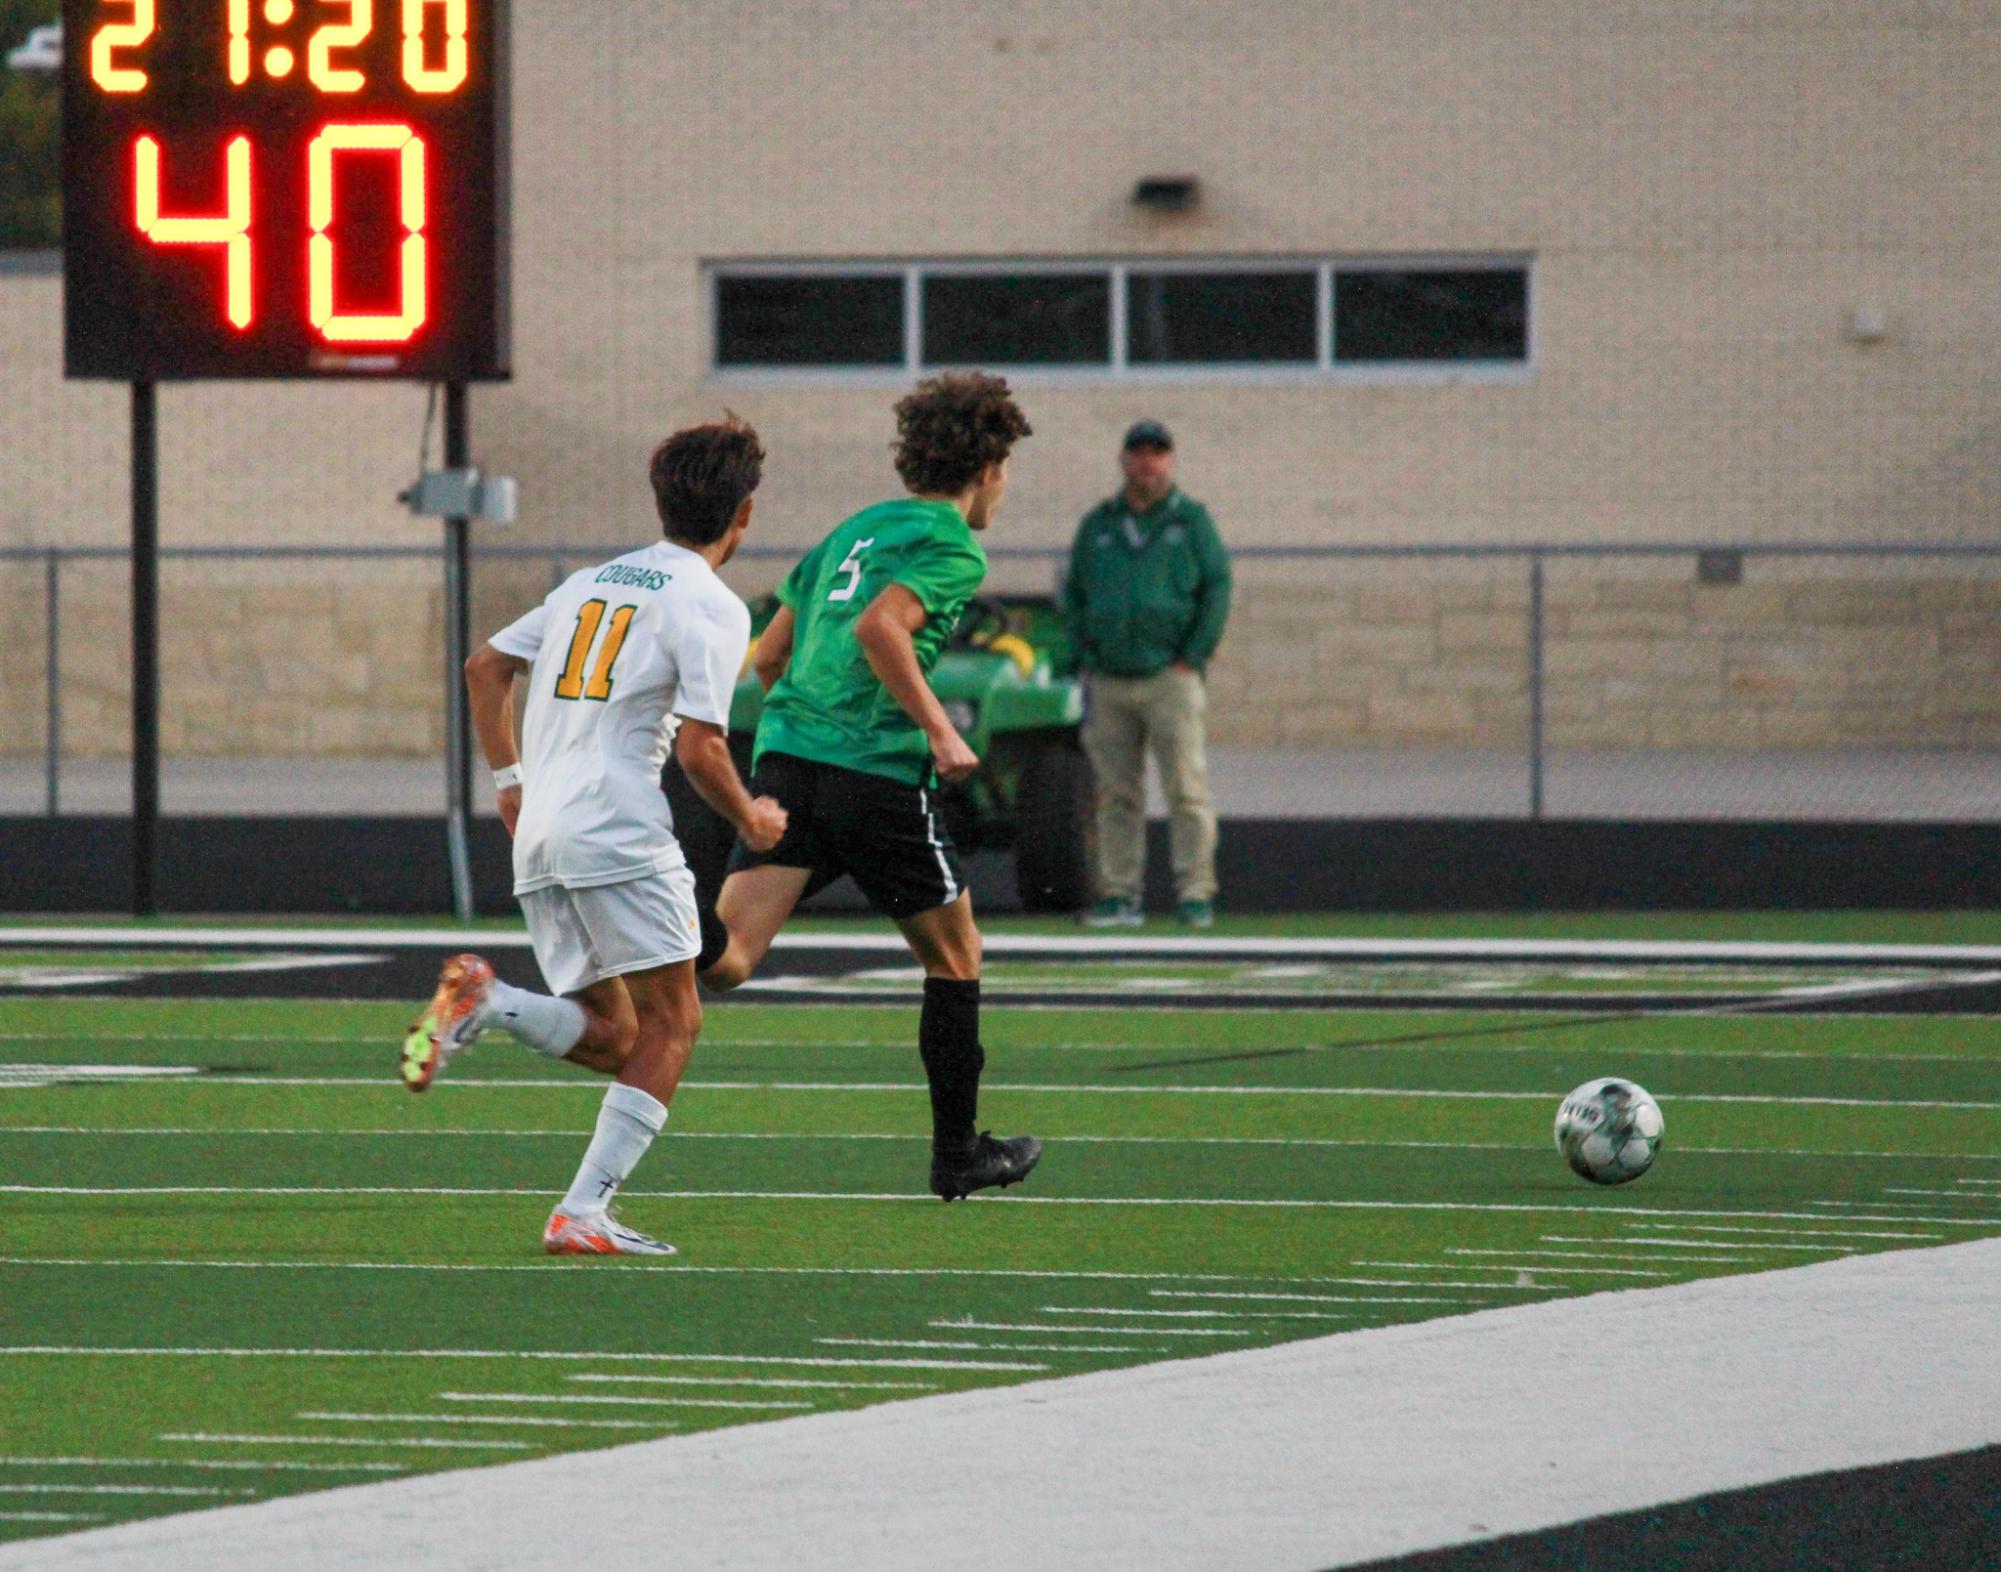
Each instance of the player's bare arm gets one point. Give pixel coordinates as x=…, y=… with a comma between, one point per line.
x=774, y=649
x=885, y=633
x=702, y=750
x=490, y=698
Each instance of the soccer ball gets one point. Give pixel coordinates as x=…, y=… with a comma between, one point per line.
x=1608, y=1130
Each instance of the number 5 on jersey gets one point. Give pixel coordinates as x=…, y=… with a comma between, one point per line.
x=590, y=616
x=852, y=566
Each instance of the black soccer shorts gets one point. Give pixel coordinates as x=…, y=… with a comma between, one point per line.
x=888, y=836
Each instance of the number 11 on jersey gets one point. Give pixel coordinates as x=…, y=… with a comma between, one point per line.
x=590, y=616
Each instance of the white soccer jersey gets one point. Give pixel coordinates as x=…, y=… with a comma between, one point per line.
x=618, y=652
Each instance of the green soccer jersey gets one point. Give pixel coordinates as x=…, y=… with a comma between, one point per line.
x=829, y=706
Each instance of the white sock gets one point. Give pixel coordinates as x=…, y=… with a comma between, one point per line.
x=627, y=1124
x=551, y=1026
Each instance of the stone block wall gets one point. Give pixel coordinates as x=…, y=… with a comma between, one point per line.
x=346, y=659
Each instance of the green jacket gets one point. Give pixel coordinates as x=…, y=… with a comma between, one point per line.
x=1145, y=590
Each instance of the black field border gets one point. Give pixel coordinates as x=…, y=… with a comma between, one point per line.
x=315, y=865
x=410, y=972
x=1931, y=1513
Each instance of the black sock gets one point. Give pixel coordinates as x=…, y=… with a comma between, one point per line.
x=715, y=937
x=948, y=1038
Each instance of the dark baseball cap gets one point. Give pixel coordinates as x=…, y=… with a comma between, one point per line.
x=1149, y=434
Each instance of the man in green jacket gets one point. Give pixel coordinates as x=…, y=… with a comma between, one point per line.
x=1145, y=601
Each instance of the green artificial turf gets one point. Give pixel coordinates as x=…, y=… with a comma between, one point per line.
x=273, y=1270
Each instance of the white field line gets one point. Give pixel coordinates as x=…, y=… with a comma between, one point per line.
x=269, y=1039
x=1857, y=989
x=1502, y=1266
x=1957, y=1195
x=888, y=943
x=483, y=1419
x=35, y=1077
x=296, y=938
x=725, y=1271
x=996, y=1348
x=1015, y=1200
x=293, y=1266
x=387, y=1441
x=51, y=1517
x=1195, y=1315
x=197, y=1462
x=587, y=1397
x=1980, y=1181
x=276, y=963
x=1092, y=1331
x=1907, y=1206
x=758, y=1381
x=1647, y=1243
x=494, y=1353
x=1066, y=1090
x=1317, y=1299
x=301, y=1266
x=51, y=975
x=1388, y=1282
x=1211, y=1315
x=1605, y=1245
x=119, y=1490
x=1792, y=1233
x=211, y=1132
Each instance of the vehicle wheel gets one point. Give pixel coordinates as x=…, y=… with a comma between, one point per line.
x=1054, y=842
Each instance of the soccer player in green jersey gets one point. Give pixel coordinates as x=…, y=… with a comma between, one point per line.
x=853, y=742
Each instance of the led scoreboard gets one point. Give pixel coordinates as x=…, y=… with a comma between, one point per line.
x=285, y=188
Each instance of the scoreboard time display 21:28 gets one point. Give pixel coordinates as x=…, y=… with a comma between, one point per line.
x=285, y=188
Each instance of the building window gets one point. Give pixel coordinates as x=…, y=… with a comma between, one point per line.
x=1384, y=317
x=1351, y=320
x=1201, y=319
x=852, y=319
x=1017, y=319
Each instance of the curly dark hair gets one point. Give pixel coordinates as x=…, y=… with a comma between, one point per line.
x=952, y=427
x=701, y=476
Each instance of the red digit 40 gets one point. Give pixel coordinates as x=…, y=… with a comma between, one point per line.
x=348, y=327
x=231, y=228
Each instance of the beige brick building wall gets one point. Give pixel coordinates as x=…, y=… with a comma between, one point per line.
x=1709, y=194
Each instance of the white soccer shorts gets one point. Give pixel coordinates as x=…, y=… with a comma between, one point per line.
x=584, y=936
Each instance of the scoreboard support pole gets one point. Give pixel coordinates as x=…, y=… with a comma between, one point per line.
x=145, y=648
x=458, y=647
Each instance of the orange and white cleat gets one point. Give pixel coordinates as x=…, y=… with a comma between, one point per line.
x=597, y=1233
x=454, y=1019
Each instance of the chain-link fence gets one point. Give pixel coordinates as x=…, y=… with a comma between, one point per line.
x=1852, y=682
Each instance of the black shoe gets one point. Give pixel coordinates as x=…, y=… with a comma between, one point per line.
x=990, y=1162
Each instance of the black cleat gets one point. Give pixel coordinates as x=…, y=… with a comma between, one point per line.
x=989, y=1163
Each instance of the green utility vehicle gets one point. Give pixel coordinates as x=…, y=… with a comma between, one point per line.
x=1009, y=682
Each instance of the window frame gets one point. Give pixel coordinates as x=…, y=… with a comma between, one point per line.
x=1117, y=369
x=1437, y=264
x=712, y=276
x=1013, y=268
x=1254, y=369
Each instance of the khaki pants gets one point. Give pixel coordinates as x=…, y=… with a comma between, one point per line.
x=1126, y=718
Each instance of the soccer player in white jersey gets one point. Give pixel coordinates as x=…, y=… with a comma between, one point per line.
x=623, y=661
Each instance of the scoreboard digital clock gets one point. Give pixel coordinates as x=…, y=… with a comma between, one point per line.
x=285, y=188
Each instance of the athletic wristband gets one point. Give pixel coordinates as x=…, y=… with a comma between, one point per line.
x=511, y=776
